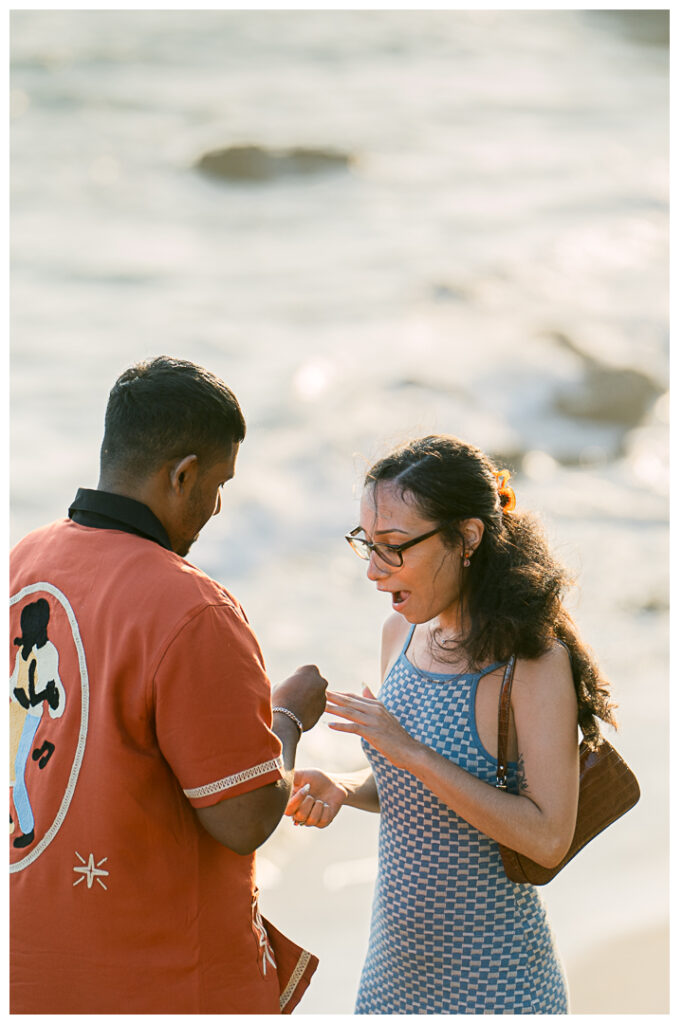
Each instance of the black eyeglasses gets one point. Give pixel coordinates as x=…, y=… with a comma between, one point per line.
x=392, y=554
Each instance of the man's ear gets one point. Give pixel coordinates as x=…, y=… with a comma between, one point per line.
x=182, y=474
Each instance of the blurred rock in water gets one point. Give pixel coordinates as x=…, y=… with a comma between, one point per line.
x=649, y=27
x=445, y=292
x=607, y=394
x=254, y=163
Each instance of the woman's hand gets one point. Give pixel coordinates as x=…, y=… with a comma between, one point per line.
x=367, y=717
x=316, y=798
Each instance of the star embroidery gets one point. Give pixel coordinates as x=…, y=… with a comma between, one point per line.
x=90, y=872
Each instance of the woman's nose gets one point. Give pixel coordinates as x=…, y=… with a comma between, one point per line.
x=377, y=569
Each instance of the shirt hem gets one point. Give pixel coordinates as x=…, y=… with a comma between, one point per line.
x=230, y=781
x=297, y=975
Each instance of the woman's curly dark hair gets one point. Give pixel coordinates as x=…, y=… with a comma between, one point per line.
x=514, y=584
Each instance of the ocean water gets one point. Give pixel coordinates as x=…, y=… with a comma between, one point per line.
x=489, y=260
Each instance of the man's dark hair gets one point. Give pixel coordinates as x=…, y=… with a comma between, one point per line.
x=164, y=409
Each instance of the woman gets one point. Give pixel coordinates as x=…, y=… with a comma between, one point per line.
x=471, y=582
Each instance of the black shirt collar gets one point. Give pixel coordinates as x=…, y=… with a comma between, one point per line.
x=106, y=511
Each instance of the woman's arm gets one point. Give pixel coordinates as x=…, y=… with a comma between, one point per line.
x=361, y=790
x=538, y=822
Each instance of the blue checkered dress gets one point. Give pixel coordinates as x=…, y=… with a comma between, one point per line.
x=450, y=932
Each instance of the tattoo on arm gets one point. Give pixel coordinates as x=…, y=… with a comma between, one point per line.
x=522, y=784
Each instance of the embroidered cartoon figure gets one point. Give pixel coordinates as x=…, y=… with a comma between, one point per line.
x=34, y=683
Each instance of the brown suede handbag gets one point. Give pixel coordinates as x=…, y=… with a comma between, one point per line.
x=607, y=789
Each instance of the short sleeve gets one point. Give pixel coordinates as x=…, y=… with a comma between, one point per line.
x=212, y=708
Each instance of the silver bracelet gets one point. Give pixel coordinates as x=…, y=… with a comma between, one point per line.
x=290, y=714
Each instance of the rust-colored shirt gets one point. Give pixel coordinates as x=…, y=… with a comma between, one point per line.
x=139, y=694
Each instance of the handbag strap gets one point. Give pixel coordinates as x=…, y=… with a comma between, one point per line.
x=504, y=724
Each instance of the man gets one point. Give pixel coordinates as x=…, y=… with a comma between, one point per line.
x=159, y=765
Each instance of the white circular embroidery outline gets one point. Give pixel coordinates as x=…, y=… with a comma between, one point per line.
x=54, y=828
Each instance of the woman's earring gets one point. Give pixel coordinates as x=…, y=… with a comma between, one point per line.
x=466, y=559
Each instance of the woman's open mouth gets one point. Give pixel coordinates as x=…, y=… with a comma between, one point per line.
x=399, y=598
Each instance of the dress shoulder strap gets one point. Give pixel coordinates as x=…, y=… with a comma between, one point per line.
x=408, y=639
x=566, y=647
x=490, y=668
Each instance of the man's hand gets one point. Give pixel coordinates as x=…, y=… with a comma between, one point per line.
x=303, y=693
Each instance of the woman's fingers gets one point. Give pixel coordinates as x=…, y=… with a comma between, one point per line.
x=347, y=699
x=366, y=716
x=353, y=714
x=300, y=815
x=317, y=802
x=353, y=707
x=305, y=808
x=297, y=798
x=313, y=813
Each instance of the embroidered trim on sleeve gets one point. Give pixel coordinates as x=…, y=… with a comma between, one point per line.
x=296, y=977
x=234, y=780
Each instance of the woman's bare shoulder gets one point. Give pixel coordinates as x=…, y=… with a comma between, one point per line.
x=550, y=674
x=394, y=633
